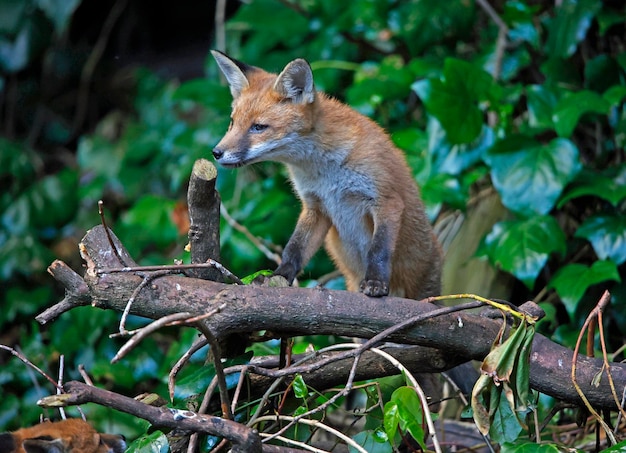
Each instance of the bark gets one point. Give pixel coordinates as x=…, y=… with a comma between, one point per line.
x=244, y=439
x=299, y=311
x=204, y=218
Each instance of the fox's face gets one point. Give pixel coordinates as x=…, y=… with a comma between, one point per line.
x=271, y=114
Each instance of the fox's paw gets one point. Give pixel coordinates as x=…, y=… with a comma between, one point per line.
x=272, y=281
x=374, y=288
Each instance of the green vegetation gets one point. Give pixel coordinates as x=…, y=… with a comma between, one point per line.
x=528, y=107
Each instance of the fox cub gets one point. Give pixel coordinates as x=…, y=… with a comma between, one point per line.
x=356, y=189
x=67, y=436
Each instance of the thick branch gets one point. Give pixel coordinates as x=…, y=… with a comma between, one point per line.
x=245, y=440
x=299, y=311
x=204, y=217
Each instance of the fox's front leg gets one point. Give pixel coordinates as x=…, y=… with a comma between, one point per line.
x=379, y=257
x=306, y=239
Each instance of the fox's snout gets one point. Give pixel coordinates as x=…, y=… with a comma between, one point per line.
x=218, y=153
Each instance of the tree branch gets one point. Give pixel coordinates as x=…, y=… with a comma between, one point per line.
x=299, y=311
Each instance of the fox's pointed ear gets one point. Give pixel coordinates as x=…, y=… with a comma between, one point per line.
x=234, y=71
x=296, y=82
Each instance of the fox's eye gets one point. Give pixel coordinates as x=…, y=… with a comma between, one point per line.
x=256, y=127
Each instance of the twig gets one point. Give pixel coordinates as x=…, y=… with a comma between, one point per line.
x=108, y=233
x=503, y=29
x=173, y=268
x=145, y=282
x=245, y=440
x=30, y=364
x=145, y=331
x=60, y=383
x=220, y=29
x=604, y=300
x=420, y=392
x=296, y=443
x=607, y=366
x=251, y=237
x=91, y=63
x=314, y=423
x=195, y=347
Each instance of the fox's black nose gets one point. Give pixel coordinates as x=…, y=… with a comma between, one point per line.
x=217, y=153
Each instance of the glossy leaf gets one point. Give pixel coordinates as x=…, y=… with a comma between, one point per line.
x=453, y=98
x=501, y=393
x=530, y=176
x=522, y=247
x=531, y=447
x=609, y=185
x=570, y=108
x=371, y=442
x=619, y=447
x=541, y=100
x=59, y=12
x=410, y=413
x=572, y=281
x=505, y=426
x=154, y=442
x=300, y=389
x=607, y=234
x=569, y=27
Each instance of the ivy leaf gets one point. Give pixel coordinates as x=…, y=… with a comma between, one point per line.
x=155, y=442
x=572, y=280
x=410, y=413
x=530, y=447
x=570, y=108
x=453, y=98
x=522, y=247
x=607, y=234
x=541, y=100
x=570, y=26
x=619, y=447
x=300, y=389
x=609, y=185
x=530, y=176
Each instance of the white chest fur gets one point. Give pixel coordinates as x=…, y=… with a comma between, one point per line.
x=346, y=196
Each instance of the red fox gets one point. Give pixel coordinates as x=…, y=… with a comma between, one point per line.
x=356, y=189
x=67, y=436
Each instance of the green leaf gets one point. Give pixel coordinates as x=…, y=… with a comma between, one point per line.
x=607, y=234
x=541, y=100
x=371, y=442
x=530, y=176
x=391, y=420
x=505, y=426
x=59, y=12
x=11, y=13
x=615, y=94
x=155, y=442
x=522, y=247
x=609, y=185
x=619, y=447
x=571, y=281
x=410, y=413
x=525, y=446
x=570, y=26
x=48, y=203
x=453, y=98
x=571, y=107
x=300, y=389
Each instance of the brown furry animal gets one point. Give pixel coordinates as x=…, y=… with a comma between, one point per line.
x=67, y=436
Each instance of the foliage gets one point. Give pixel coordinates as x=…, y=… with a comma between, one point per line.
x=538, y=119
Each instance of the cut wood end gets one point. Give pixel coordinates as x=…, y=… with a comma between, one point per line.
x=204, y=169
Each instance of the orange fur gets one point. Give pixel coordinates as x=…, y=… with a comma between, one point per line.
x=66, y=436
x=357, y=191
